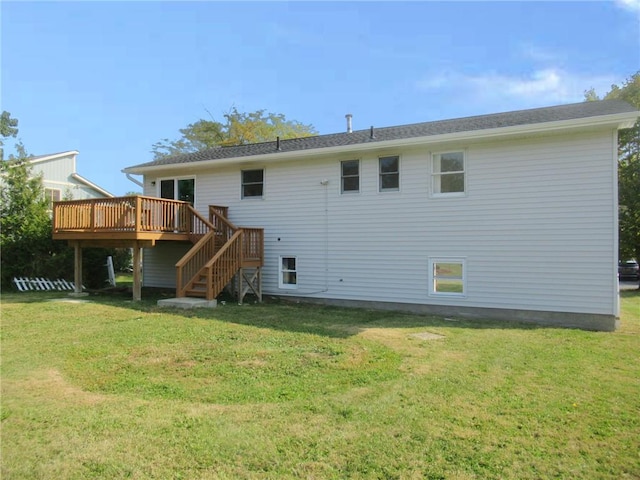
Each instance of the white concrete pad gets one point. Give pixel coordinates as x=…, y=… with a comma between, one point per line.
x=187, y=302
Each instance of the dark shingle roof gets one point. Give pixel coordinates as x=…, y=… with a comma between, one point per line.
x=440, y=127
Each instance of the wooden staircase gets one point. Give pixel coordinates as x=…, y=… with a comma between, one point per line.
x=218, y=256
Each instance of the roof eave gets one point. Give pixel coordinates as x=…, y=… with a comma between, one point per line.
x=618, y=121
x=92, y=185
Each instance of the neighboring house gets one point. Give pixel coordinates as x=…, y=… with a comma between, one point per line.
x=510, y=216
x=60, y=179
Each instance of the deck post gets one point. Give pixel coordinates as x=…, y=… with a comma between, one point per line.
x=137, y=272
x=240, y=286
x=77, y=268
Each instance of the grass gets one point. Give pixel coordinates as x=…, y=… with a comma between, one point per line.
x=113, y=389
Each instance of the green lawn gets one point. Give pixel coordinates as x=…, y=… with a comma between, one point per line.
x=111, y=389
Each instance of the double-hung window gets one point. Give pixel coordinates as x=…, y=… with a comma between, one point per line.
x=252, y=183
x=389, y=174
x=447, y=276
x=288, y=272
x=350, y=176
x=448, y=174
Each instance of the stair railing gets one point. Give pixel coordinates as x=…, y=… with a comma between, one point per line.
x=189, y=266
x=204, y=236
x=218, y=254
x=224, y=265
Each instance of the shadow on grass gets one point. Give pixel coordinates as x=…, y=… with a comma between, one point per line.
x=286, y=315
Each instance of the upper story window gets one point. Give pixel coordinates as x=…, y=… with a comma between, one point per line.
x=389, y=173
x=350, y=175
x=183, y=189
x=52, y=195
x=252, y=183
x=448, y=175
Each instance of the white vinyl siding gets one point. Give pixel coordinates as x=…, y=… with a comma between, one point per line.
x=535, y=222
x=57, y=175
x=159, y=263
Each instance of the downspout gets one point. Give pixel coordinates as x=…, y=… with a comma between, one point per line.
x=325, y=184
x=135, y=180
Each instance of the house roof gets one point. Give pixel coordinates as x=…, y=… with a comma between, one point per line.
x=51, y=156
x=531, y=117
x=74, y=175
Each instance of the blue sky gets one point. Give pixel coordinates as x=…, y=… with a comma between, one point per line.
x=112, y=78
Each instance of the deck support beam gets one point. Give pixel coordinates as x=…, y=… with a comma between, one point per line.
x=77, y=268
x=137, y=272
x=136, y=246
x=254, y=284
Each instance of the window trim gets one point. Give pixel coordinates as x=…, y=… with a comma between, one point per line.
x=242, y=184
x=342, y=177
x=386, y=190
x=49, y=194
x=158, y=181
x=437, y=175
x=433, y=261
x=281, y=270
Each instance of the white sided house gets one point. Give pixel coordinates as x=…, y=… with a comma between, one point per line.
x=510, y=216
x=61, y=180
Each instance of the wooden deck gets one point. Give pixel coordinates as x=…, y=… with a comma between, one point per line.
x=125, y=219
x=220, y=249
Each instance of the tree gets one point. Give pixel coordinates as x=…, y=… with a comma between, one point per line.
x=25, y=224
x=238, y=129
x=628, y=169
x=8, y=128
x=26, y=243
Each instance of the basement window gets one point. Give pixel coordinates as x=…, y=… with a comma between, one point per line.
x=288, y=272
x=252, y=183
x=447, y=276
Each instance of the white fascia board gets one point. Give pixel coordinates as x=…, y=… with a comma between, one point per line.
x=618, y=120
x=45, y=158
x=90, y=184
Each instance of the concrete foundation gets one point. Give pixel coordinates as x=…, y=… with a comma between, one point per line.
x=584, y=321
x=187, y=302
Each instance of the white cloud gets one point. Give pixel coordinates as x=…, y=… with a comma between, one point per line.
x=539, y=54
x=631, y=5
x=543, y=86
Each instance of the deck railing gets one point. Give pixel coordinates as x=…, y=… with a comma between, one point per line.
x=124, y=214
x=253, y=238
x=253, y=244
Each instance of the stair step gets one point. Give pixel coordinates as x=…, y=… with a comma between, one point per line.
x=196, y=293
